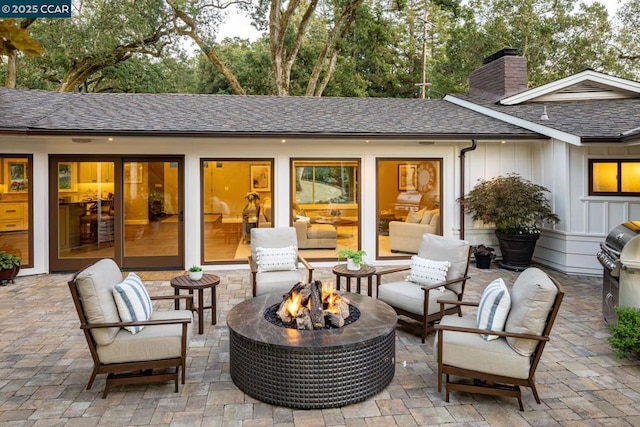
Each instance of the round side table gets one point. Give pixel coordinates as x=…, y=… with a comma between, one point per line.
x=207, y=281
x=341, y=270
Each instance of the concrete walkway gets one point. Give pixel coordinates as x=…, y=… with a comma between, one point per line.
x=45, y=365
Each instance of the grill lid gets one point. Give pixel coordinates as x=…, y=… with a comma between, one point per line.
x=618, y=238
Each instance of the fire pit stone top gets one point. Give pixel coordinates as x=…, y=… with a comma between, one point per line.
x=376, y=318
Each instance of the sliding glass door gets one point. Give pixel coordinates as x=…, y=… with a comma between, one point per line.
x=129, y=210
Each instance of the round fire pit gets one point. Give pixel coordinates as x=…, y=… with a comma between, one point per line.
x=312, y=369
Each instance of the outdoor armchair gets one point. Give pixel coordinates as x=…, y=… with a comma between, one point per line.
x=416, y=295
x=499, y=366
x=274, y=260
x=155, y=352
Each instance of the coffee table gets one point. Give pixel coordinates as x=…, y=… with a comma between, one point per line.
x=341, y=271
x=207, y=281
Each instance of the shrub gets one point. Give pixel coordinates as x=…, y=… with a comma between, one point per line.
x=625, y=335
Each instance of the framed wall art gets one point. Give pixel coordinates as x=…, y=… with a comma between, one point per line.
x=407, y=177
x=260, y=178
x=17, y=176
x=67, y=177
x=133, y=173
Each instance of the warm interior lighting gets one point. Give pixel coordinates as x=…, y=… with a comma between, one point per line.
x=605, y=177
x=630, y=177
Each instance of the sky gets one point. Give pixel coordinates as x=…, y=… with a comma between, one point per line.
x=238, y=25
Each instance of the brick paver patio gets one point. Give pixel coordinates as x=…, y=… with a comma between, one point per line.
x=45, y=365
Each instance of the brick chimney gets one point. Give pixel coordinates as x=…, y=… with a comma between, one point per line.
x=502, y=74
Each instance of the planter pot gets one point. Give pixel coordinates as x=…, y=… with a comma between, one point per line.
x=483, y=261
x=351, y=265
x=195, y=275
x=517, y=250
x=9, y=275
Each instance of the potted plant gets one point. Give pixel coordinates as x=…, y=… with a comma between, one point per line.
x=516, y=207
x=195, y=272
x=354, y=258
x=483, y=255
x=9, y=266
x=625, y=334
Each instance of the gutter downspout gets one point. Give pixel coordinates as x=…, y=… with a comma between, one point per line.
x=474, y=145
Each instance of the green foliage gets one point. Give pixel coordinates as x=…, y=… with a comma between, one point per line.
x=514, y=204
x=356, y=255
x=195, y=268
x=8, y=261
x=625, y=335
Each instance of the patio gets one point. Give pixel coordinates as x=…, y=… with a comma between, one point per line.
x=45, y=365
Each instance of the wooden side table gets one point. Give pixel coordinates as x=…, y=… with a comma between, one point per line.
x=341, y=270
x=207, y=281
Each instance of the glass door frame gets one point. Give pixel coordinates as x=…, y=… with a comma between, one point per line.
x=58, y=264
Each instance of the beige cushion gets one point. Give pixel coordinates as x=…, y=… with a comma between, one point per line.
x=95, y=288
x=277, y=281
x=427, y=216
x=414, y=217
x=278, y=237
x=532, y=297
x=409, y=296
x=154, y=342
x=470, y=351
x=321, y=231
x=455, y=251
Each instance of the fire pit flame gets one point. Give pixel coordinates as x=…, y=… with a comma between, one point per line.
x=312, y=305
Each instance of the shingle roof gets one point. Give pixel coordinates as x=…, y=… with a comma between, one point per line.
x=591, y=120
x=41, y=111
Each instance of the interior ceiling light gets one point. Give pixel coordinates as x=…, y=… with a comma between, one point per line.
x=426, y=142
x=81, y=140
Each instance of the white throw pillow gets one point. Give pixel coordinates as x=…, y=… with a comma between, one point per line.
x=277, y=259
x=427, y=272
x=494, y=307
x=133, y=301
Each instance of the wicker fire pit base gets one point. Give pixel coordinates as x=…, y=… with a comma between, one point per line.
x=312, y=369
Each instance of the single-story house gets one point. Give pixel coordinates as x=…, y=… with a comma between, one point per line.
x=159, y=181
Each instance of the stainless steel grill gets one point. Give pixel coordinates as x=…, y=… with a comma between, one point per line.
x=620, y=257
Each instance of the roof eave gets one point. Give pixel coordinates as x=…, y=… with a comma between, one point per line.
x=255, y=135
x=587, y=75
x=516, y=121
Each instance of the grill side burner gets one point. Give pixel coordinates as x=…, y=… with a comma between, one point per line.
x=619, y=255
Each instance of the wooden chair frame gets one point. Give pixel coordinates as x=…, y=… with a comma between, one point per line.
x=429, y=320
x=491, y=384
x=254, y=270
x=133, y=372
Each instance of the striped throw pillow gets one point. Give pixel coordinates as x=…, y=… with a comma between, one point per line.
x=277, y=259
x=133, y=301
x=494, y=307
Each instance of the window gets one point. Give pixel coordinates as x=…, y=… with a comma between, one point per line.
x=614, y=177
x=408, y=191
x=227, y=214
x=325, y=205
x=15, y=207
